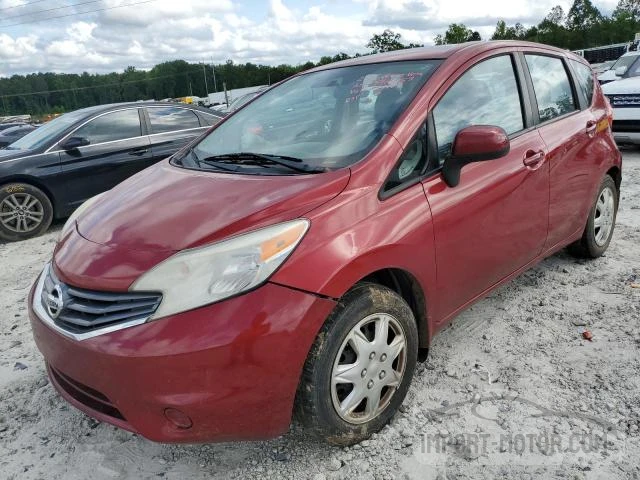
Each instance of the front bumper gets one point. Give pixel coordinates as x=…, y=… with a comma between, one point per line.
x=232, y=367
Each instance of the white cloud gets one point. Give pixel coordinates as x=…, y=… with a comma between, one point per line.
x=17, y=48
x=280, y=31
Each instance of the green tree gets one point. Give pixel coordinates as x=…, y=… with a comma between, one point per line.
x=583, y=15
x=502, y=32
x=457, y=33
x=388, y=41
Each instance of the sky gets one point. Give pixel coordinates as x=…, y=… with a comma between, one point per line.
x=107, y=35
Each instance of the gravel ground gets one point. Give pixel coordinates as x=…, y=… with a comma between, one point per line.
x=510, y=390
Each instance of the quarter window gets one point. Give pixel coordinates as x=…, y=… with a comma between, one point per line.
x=551, y=85
x=487, y=94
x=584, y=76
x=169, y=119
x=111, y=126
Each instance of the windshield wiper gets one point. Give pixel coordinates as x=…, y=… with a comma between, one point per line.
x=262, y=159
x=207, y=161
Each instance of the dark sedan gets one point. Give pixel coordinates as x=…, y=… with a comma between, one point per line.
x=12, y=134
x=49, y=172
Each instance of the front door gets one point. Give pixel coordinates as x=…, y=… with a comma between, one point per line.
x=495, y=221
x=116, y=150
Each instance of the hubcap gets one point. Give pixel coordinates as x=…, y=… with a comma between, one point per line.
x=603, y=217
x=368, y=368
x=21, y=212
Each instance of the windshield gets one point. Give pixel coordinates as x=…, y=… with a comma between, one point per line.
x=47, y=132
x=624, y=61
x=327, y=119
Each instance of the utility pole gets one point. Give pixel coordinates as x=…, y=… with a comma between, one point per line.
x=204, y=74
x=215, y=84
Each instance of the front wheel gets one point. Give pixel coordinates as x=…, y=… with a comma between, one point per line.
x=360, y=366
x=25, y=211
x=602, y=219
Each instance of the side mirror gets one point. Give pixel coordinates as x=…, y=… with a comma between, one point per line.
x=474, y=144
x=620, y=71
x=72, y=143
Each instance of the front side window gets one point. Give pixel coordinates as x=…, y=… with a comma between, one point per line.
x=321, y=119
x=110, y=127
x=169, y=119
x=486, y=94
x=551, y=85
x=584, y=76
x=48, y=132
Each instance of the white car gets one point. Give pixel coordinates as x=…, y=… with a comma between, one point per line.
x=624, y=96
x=628, y=65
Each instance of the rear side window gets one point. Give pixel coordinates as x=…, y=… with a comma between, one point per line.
x=551, y=85
x=486, y=94
x=169, y=119
x=111, y=126
x=584, y=75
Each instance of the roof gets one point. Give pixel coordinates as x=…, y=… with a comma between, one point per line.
x=438, y=52
x=112, y=106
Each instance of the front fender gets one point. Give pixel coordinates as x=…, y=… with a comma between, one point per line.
x=357, y=234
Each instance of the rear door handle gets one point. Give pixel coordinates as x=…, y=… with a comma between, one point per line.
x=592, y=125
x=533, y=159
x=139, y=151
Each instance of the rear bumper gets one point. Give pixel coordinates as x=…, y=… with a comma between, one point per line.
x=232, y=367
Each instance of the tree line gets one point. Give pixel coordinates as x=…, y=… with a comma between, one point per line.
x=583, y=26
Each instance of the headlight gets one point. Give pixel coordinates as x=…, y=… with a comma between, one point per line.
x=76, y=213
x=200, y=276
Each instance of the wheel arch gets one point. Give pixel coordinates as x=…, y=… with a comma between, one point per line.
x=615, y=173
x=409, y=288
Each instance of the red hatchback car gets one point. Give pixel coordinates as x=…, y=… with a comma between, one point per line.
x=303, y=253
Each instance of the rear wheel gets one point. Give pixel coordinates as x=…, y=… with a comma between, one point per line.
x=360, y=367
x=25, y=211
x=602, y=219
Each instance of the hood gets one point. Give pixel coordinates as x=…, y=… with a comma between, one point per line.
x=170, y=208
x=13, y=154
x=623, y=86
x=608, y=76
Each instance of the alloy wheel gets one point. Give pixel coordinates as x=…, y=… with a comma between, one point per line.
x=603, y=216
x=21, y=212
x=368, y=368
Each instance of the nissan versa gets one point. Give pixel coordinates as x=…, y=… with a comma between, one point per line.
x=302, y=255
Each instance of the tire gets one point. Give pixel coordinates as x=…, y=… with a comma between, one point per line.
x=389, y=370
x=25, y=211
x=600, y=224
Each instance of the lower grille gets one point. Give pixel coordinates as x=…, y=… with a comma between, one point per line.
x=86, y=395
x=626, y=126
x=79, y=312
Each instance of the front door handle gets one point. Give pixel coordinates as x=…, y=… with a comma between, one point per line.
x=533, y=159
x=139, y=151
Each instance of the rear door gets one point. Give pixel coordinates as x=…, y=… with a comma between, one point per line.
x=171, y=128
x=568, y=132
x=117, y=149
x=495, y=221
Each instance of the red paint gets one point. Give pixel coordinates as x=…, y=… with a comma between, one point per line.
x=479, y=140
x=233, y=367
